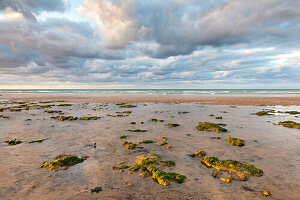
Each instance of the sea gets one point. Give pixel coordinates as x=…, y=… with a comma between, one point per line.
x=201, y=92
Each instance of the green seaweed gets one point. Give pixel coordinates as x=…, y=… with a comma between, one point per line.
x=147, y=141
x=127, y=112
x=199, y=154
x=37, y=141
x=129, y=145
x=89, y=118
x=123, y=137
x=12, y=142
x=96, y=190
x=237, y=170
x=219, y=117
x=290, y=124
x=173, y=125
x=126, y=106
x=235, y=141
x=62, y=162
x=290, y=112
x=207, y=126
x=262, y=113
x=132, y=122
x=169, y=163
x=65, y=104
x=53, y=111
x=163, y=177
x=137, y=130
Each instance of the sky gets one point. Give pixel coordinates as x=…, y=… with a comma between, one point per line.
x=201, y=44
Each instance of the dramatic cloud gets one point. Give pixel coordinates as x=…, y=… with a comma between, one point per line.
x=172, y=43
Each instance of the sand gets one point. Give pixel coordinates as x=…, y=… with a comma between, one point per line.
x=209, y=100
x=272, y=148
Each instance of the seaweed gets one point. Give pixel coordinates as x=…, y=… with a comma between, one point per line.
x=132, y=122
x=173, y=125
x=37, y=141
x=53, y=111
x=147, y=141
x=127, y=112
x=199, y=154
x=262, y=113
x=126, y=106
x=12, y=142
x=290, y=112
x=62, y=162
x=236, y=170
x=148, y=165
x=207, y=126
x=162, y=143
x=290, y=124
x=123, y=137
x=129, y=145
x=96, y=190
x=137, y=130
x=89, y=118
x=236, y=141
x=219, y=117
x=153, y=120
x=65, y=104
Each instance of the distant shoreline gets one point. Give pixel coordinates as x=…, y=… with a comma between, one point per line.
x=141, y=98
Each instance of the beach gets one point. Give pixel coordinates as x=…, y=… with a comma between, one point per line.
x=268, y=146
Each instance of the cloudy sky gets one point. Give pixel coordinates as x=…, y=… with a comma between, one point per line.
x=149, y=44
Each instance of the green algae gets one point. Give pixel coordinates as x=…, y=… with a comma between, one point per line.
x=69, y=118
x=199, y=154
x=219, y=117
x=123, y=137
x=262, y=113
x=65, y=104
x=173, y=125
x=147, y=141
x=207, y=126
x=153, y=120
x=53, y=111
x=96, y=190
x=89, y=118
x=4, y=117
x=162, y=143
x=15, y=109
x=37, y=141
x=136, y=130
x=132, y=122
x=1, y=109
x=236, y=170
x=127, y=112
x=236, y=141
x=290, y=124
x=148, y=166
x=12, y=142
x=62, y=162
x=290, y=112
x=129, y=145
x=126, y=106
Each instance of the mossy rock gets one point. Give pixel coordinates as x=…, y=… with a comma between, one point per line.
x=236, y=141
x=173, y=125
x=129, y=145
x=89, y=118
x=240, y=171
x=136, y=130
x=199, y=154
x=262, y=113
x=65, y=104
x=62, y=162
x=126, y=106
x=147, y=141
x=13, y=142
x=290, y=124
x=148, y=166
x=207, y=126
x=96, y=190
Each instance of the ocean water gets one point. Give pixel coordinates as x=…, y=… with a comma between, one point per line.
x=203, y=92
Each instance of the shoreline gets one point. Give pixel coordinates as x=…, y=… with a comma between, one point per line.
x=208, y=100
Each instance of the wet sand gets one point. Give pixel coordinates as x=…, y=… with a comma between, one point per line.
x=104, y=98
x=272, y=148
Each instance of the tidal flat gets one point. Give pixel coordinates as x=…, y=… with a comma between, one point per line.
x=272, y=148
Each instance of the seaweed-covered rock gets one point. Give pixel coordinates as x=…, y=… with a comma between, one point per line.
x=96, y=190
x=132, y=122
x=89, y=118
x=262, y=113
x=236, y=170
x=62, y=162
x=136, y=130
x=290, y=112
x=290, y=124
x=129, y=145
x=173, y=125
x=207, y=126
x=148, y=166
x=13, y=142
x=126, y=106
x=123, y=137
x=147, y=141
x=219, y=117
x=235, y=141
x=199, y=154
x=53, y=111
